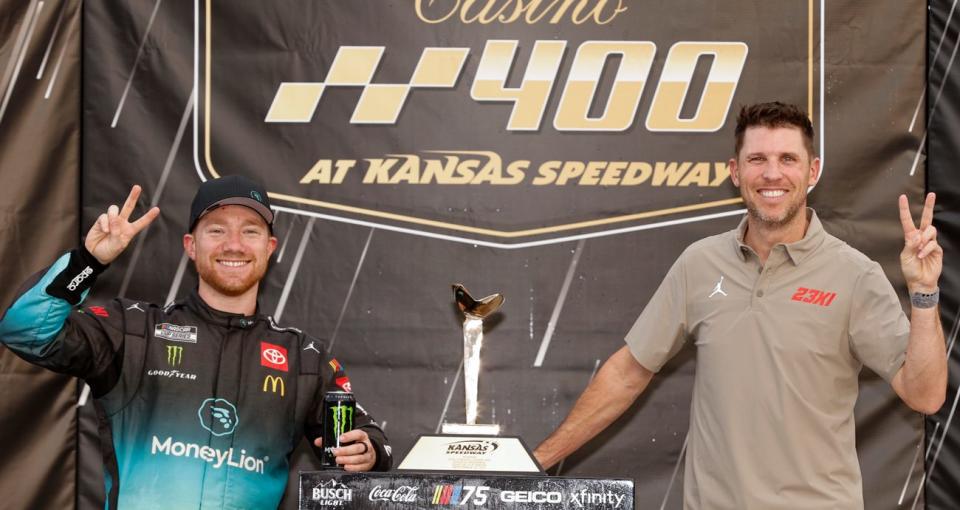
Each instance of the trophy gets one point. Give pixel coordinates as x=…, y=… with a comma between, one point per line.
x=474, y=312
x=469, y=447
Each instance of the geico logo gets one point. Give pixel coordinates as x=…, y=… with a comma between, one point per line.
x=530, y=497
x=380, y=103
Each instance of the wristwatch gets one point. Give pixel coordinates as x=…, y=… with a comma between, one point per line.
x=925, y=300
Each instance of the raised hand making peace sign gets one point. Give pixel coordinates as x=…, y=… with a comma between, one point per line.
x=922, y=257
x=113, y=230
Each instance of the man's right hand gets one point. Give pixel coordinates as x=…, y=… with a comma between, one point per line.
x=616, y=386
x=113, y=230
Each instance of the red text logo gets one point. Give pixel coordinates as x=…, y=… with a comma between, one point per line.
x=814, y=296
x=99, y=311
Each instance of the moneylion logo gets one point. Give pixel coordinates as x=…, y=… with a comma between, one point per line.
x=274, y=382
x=217, y=458
x=174, y=355
x=591, y=134
x=218, y=416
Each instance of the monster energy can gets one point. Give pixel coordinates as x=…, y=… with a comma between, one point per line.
x=339, y=410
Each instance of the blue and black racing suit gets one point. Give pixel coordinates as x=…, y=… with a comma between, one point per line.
x=200, y=408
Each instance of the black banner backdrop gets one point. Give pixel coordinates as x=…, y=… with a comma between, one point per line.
x=39, y=211
x=941, y=459
x=561, y=156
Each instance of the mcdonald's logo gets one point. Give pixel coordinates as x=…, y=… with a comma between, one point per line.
x=174, y=355
x=274, y=382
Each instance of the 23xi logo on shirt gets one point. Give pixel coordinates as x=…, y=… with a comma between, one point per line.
x=273, y=356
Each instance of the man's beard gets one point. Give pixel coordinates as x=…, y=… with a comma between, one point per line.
x=772, y=221
x=231, y=287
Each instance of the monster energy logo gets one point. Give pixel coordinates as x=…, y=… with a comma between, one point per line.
x=174, y=355
x=342, y=419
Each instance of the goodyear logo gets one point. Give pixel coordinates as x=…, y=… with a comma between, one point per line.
x=504, y=135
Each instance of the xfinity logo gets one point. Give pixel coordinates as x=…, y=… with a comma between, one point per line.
x=216, y=457
x=584, y=499
x=77, y=280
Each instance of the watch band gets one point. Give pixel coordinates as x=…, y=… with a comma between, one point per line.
x=925, y=300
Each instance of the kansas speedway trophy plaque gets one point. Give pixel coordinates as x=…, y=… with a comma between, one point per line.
x=470, y=446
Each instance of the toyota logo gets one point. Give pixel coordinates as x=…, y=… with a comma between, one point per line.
x=274, y=356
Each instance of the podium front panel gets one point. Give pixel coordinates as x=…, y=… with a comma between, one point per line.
x=321, y=490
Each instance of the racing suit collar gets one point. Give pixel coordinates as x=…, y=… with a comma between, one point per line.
x=212, y=316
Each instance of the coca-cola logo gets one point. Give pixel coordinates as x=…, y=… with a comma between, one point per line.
x=402, y=494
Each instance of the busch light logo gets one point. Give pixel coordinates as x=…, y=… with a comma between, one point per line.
x=331, y=493
x=218, y=416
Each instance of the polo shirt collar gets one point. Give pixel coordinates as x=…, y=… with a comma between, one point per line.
x=797, y=251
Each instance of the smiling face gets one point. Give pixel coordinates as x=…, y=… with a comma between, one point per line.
x=230, y=247
x=773, y=171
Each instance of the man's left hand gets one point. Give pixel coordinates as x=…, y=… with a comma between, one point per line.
x=922, y=257
x=359, y=456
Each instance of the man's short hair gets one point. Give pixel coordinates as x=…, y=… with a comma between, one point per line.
x=773, y=115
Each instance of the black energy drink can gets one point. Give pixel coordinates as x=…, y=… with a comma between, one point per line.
x=339, y=410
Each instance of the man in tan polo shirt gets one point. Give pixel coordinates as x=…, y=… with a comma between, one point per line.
x=783, y=316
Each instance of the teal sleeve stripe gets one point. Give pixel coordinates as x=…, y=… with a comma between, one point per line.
x=36, y=318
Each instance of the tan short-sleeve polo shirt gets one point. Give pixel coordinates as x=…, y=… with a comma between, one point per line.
x=779, y=350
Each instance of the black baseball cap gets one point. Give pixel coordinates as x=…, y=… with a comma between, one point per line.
x=230, y=190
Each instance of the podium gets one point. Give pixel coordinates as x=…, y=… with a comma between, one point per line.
x=323, y=490
x=469, y=466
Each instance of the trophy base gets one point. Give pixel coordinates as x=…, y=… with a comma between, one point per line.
x=470, y=454
x=463, y=429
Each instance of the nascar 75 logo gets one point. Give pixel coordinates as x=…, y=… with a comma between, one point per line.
x=449, y=494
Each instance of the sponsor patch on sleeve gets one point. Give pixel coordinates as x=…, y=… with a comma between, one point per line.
x=99, y=311
x=335, y=365
x=344, y=384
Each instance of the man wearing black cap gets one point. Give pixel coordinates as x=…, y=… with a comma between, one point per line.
x=201, y=402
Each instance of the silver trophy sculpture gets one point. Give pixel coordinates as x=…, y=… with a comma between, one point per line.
x=474, y=310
